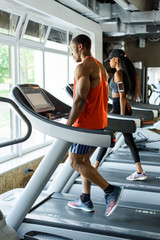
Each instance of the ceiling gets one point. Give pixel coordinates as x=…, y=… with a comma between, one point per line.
x=121, y=18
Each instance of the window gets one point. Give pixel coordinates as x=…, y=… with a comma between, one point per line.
x=35, y=31
x=8, y=23
x=51, y=67
x=56, y=75
x=32, y=50
x=72, y=63
x=153, y=85
x=7, y=131
x=72, y=66
x=57, y=39
x=31, y=69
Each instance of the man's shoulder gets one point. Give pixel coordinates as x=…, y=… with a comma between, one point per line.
x=79, y=67
x=80, y=70
x=82, y=66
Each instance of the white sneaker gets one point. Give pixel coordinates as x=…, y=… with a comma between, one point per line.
x=135, y=176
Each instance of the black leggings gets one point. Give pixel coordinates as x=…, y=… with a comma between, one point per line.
x=128, y=137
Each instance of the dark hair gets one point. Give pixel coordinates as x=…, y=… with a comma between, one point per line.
x=84, y=40
x=131, y=79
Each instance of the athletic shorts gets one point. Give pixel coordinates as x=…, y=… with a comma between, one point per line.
x=80, y=149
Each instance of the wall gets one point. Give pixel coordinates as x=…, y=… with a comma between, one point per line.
x=149, y=55
x=16, y=178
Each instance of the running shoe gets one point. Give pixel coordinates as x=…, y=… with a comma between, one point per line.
x=135, y=176
x=78, y=204
x=112, y=200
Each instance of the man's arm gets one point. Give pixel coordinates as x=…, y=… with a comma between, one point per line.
x=82, y=90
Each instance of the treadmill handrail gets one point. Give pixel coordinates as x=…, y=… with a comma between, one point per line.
x=23, y=117
x=137, y=120
x=148, y=107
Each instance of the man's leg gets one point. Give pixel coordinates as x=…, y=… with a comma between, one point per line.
x=86, y=170
x=84, y=202
x=89, y=174
x=86, y=184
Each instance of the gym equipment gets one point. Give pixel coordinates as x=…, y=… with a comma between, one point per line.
x=52, y=216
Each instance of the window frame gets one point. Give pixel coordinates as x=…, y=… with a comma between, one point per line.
x=16, y=45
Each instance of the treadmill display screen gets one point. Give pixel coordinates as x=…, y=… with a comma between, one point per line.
x=36, y=98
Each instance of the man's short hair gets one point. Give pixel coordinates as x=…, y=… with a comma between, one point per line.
x=84, y=40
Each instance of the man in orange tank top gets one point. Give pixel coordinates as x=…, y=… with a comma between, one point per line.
x=90, y=94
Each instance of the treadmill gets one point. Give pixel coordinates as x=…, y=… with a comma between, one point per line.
x=148, y=115
x=42, y=217
x=148, y=144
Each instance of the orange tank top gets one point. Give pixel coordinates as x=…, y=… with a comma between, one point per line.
x=94, y=113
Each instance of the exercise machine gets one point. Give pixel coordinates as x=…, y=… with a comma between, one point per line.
x=50, y=215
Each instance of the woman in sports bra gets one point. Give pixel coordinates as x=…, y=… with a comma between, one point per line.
x=125, y=83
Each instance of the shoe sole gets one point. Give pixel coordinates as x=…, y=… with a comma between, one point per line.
x=137, y=179
x=81, y=208
x=115, y=204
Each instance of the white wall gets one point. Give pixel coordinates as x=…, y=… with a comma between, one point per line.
x=69, y=19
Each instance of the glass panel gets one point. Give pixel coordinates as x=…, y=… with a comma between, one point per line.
x=33, y=142
x=57, y=39
x=5, y=128
x=5, y=79
x=31, y=70
x=8, y=23
x=153, y=85
x=72, y=63
x=6, y=118
x=35, y=31
x=72, y=66
x=55, y=74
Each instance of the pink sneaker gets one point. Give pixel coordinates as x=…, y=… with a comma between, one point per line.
x=78, y=204
x=135, y=176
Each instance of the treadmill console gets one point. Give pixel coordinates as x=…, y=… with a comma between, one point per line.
x=36, y=97
x=39, y=101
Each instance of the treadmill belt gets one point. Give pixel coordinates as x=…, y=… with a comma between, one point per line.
x=152, y=183
x=125, y=222
x=125, y=156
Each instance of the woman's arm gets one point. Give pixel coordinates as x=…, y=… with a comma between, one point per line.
x=118, y=78
x=123, y=101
